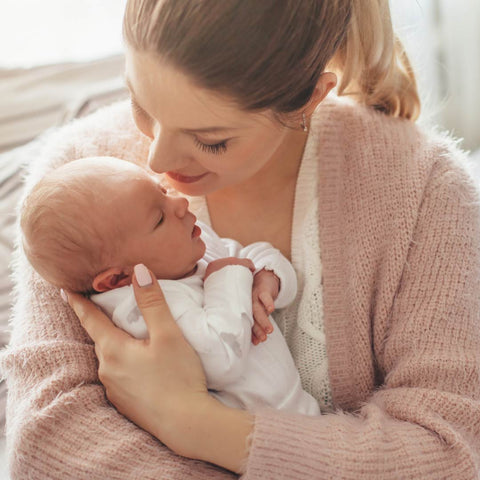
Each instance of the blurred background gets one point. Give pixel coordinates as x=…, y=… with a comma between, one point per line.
x=441, y=36
x=61, y=59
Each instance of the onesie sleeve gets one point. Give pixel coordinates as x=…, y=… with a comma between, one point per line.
x=264, y=256
x=220, y=330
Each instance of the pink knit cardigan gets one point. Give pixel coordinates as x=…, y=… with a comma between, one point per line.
x=400, y=240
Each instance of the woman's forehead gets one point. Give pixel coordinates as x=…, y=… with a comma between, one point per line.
x=170, y=96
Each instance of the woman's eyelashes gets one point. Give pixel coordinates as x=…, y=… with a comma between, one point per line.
x=136, y=108
x=216, y=148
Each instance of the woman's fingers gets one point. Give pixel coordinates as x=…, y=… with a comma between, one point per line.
x=98, y=326
x=151, y=302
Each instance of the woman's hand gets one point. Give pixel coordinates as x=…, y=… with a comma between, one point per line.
x=266, y=286
x=158, y=383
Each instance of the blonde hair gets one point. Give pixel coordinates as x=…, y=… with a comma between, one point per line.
x=63, y=243
x=374, y=66
x=270, y=54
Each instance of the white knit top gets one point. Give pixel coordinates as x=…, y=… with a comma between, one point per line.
x=302, y=322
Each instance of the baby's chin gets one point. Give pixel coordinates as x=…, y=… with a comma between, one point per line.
x=188, y=272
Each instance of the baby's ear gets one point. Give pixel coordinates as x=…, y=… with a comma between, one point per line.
x=111, y=278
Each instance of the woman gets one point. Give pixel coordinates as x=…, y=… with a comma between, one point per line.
x=378, y=218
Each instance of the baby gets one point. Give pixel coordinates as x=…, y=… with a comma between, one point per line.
x=86, y=225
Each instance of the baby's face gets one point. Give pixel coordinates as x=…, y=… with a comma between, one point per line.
x=152, y=227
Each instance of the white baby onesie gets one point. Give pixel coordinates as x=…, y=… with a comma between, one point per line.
x=216, y=318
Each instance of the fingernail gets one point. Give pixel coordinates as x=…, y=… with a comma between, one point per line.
x=143, y=275
x=64, y=295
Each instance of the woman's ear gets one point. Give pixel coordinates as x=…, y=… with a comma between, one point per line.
x=111, y=278
x=326, y=82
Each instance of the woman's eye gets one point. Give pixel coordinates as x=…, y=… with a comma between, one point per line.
x=138, y=111
x=216, y=148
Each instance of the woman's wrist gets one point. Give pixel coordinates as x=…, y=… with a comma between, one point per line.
x=210, y=431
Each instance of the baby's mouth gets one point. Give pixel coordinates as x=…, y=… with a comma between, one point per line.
x=196, y=232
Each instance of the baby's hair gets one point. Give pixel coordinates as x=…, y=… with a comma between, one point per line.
x=60, y=240
x=269, y=54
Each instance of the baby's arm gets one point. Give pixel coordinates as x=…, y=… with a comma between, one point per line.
x=267, y=258
x=227, y=321
x=263, y=256
x=274, y=285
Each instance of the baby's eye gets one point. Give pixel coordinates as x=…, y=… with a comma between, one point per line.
x=160, y=221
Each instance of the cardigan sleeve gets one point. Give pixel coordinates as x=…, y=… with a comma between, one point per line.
x=424, y=421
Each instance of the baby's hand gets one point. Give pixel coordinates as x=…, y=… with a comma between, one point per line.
x=223, y=262
x=266, y=286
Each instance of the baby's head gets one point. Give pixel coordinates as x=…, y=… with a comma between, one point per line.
x=88, y=223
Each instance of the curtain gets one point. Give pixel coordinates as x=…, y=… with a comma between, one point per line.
x=442, y=38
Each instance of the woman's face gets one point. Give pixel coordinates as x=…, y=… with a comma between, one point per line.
x=201, y=140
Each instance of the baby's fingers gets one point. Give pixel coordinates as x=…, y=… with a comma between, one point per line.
x=258, y=335
x=267, y=301
x=261, y=317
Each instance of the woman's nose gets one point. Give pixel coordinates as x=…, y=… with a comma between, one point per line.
x=163, y=156
x=180, y=206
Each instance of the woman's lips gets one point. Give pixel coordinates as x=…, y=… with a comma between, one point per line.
x=184, y=178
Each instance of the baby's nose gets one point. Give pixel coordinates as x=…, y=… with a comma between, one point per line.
x=181, y=206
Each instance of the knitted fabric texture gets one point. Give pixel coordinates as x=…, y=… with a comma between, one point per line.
x=399, y=235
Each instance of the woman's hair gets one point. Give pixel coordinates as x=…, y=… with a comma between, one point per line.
x=269, y=54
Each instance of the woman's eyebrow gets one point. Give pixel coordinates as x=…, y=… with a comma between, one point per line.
x=209, y=129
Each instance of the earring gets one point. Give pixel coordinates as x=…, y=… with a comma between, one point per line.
x=304, y=123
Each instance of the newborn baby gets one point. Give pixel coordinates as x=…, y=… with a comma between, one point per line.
x=88, y=223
